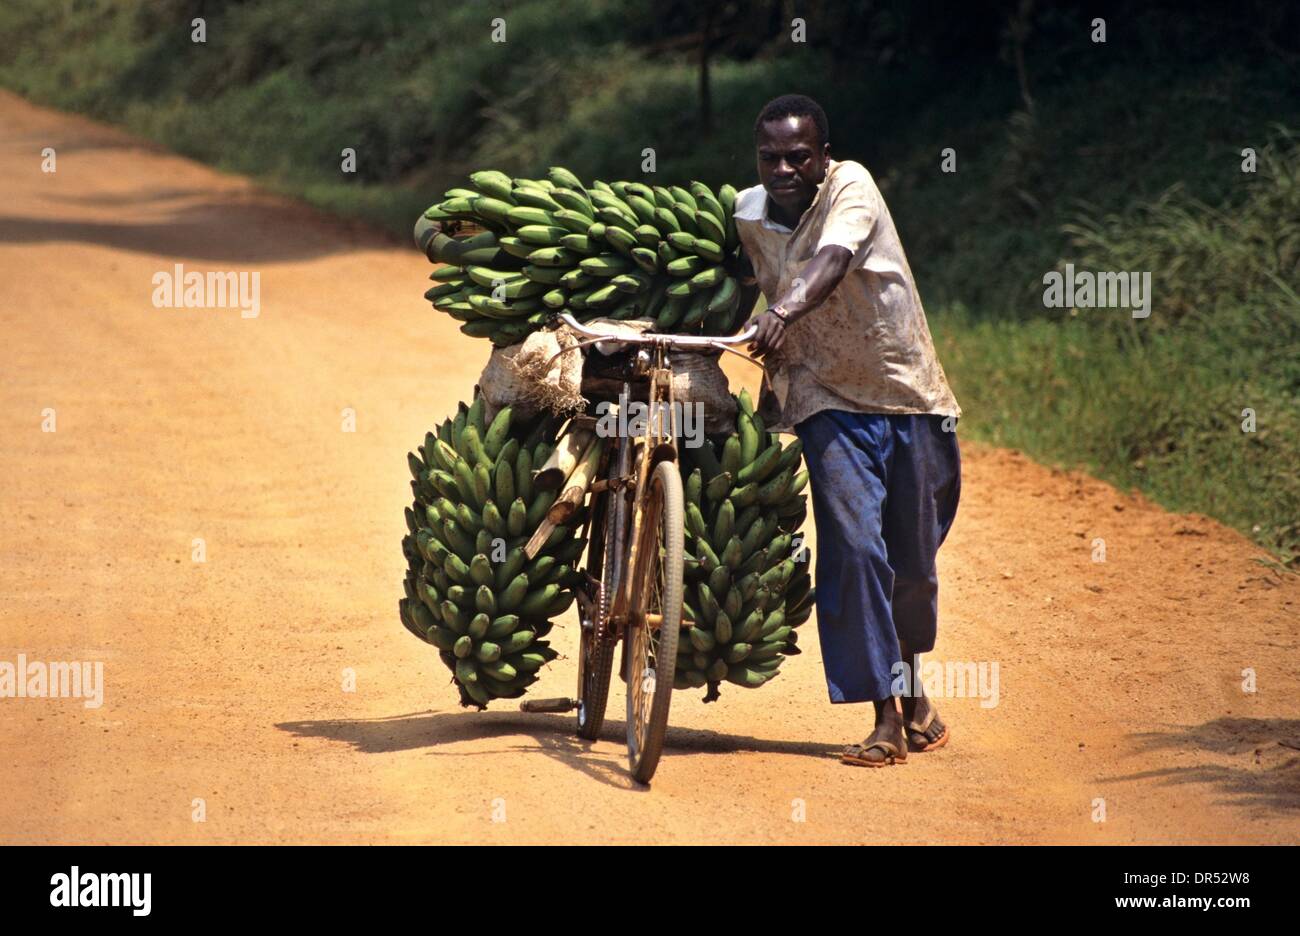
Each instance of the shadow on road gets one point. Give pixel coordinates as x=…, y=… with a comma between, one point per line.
x=552, y=735
x=1268, y=749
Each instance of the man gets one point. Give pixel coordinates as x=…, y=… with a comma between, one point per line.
x=855, y=376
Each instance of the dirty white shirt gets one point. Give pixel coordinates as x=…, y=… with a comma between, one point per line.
x=867, y=347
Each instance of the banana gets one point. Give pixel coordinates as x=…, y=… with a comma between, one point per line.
x=748, y=436
x=515, y=247
x=574, y=200
x=682, y=197
x=685, y=215
x=576, y=279
x=634, y=282
x=601, y=296
x=575, y=222
x=486, y=276
x=647, y=235
x=466, y=671
x=708, y=205
x=726, y=295
x=737, y=652
x=642, y=208
x=762, y=466
x=494, y=184
x=666, y=221
x=463, y=647
x=696, y=309
x=682, y=241
x=776, y=489
x=478, y=626
x=524, y=215
x=456, y=206
x=731, y=455
x=580, y=244
x=542, y=235
x=614, y=217
x=606, y=265
x=508, y=568
x=621, y=240
x=708, y=249
x=447, y=273
x=712, y=230
x=536, y=198
x=646, y=259
x=480, y=570
x=537, y=602
x=563, y=178
x=552, y=257
x=744, y=675
x=709, y=277
x=687, y=266
x=573, y=203
x=702, y=640
x=723, y=524
x=549, y=276
x=492, y=209
x=693, y=486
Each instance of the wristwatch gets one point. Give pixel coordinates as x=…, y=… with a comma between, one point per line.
x=782, y=314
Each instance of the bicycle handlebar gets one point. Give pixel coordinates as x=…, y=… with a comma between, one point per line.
x=676, y=341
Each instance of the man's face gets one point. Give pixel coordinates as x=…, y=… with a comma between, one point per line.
x=790, y=162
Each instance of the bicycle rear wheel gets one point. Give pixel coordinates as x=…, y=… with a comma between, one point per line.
x=656, y=600
x=596, y=642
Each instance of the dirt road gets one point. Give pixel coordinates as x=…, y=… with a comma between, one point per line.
x=224, y=680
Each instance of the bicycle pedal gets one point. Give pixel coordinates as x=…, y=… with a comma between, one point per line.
x=548, y=705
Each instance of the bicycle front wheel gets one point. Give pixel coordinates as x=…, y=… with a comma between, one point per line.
x=654, y=620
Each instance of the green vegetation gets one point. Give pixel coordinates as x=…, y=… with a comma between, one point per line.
x=1122, y=156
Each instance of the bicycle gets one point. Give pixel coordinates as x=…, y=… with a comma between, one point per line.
x=633, y=579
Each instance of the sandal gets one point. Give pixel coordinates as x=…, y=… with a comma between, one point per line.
x=856, y=754
x=918, y=733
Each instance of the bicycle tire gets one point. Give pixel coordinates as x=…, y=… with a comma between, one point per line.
x=665, y=572
x=596, y=663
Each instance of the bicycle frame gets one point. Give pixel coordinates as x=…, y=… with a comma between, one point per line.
x=630, y=590
x=658, y=444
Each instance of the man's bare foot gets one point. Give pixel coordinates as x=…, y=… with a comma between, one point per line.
x=925, y=730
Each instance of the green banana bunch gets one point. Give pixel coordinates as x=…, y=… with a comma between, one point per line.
x=618, y=250
x=748, y=584
x=471, y=591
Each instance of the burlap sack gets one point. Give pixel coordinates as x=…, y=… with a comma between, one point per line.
x=520, y=376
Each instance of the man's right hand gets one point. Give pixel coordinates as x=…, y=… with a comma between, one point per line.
x=770, y=335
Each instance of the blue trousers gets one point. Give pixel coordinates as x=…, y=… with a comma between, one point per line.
x=884, y=492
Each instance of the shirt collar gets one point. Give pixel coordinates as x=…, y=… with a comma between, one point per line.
x=762, y=204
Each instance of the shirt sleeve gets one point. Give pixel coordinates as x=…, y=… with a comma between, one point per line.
x=851, y=218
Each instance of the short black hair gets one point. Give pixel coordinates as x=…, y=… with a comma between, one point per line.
x=794, y=105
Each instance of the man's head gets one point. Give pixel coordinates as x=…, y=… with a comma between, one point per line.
x=794, y=150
